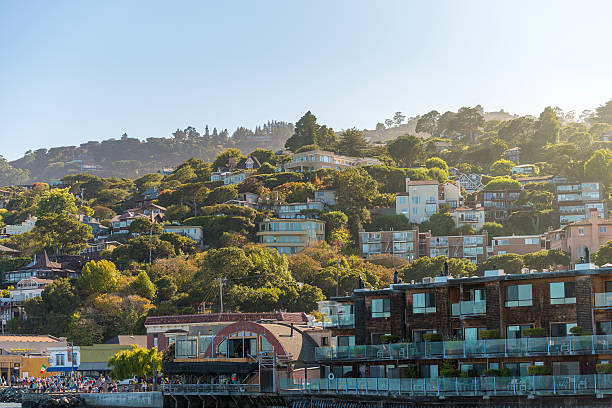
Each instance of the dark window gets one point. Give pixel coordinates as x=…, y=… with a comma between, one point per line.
x=424, y=302
x=560, y=329
x=518, y=295
x=325, y=341
x=381, y=308
x=604, y=327
x=608, y=286
x=562, y=293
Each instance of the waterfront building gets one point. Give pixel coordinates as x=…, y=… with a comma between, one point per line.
x=485, y=325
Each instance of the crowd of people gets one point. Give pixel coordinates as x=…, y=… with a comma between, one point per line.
x=80, y=384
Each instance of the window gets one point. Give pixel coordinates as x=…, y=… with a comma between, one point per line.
x=518, y=295
x=517, y=369
x=417, y=335
x=415, y=210
x=325, y=341
x=532, y=241
x=603, y=229
x=566, y=368
x=502, y=242
x=424, y=302
x=428, y=371
x=562, y=293
x=381, y=308
x=516, y=332
x=344, y=341
x=608, y=286
x=155, y=340
x=604, y=327
x=580, y=231
x=561, y=329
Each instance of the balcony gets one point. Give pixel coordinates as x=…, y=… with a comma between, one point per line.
x=536, y=346
x=602, y=300
x=344, y=321
x=469, y=308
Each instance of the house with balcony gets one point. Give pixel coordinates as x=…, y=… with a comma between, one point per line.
x=575, y=199
x=518, y=244
x=524, y=170
x=43, y=267
x=320, y=159
x=423, y=198
x=470, y=182
x=498, y=204
x=471, y=247
x=484, y=325
x=26, y=226
x=25, y=289
x=298, y=210
x=404, y=244
x=290, y=236
x=514, y=154
x=474, y=217
x=577, y=237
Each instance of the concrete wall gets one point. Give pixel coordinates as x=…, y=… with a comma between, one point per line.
x=125, y=400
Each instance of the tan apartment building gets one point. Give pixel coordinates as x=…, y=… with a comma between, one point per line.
x=404, y=244
x=290, y=236
x=471, y=247
x=423, y=198
x=518, y=244
x=320, y=159
x=591, y=233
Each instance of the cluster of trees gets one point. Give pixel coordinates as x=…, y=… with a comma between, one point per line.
x=131, y=157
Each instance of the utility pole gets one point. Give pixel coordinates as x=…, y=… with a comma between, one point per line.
x=221, y=280
x=337, y=277
x=150, y=243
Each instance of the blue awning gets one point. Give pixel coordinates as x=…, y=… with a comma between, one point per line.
x=60, y=369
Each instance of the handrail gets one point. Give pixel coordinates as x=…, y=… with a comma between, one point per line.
x=592, y=384
x=525, y=346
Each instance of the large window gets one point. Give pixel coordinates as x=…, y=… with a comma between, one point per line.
x=344, y=341
x=561, y=329
x=516, y=331
x=424, y=302
x=562, y=293
x=604, y=327
x=381, y=308
x=518, y=295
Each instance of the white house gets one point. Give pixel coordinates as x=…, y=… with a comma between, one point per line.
x=423, y=198
x=475, y=217
x=194, y=232
x=64, y=359
x=26, y=289
x=524, y=170
x=470, y=182
x=26, y=226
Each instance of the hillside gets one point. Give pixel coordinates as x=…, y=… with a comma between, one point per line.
x=131, y=158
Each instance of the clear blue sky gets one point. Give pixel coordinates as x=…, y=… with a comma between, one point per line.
x=72, y=71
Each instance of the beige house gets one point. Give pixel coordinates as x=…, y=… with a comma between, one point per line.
x=321, y=159
x=290, y=236
x=474, y=217
x=518, y=244
x=591, y=233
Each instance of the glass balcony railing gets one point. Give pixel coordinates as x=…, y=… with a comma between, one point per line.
x=526, y=346
x=340, y=320
x=469, y=308
x=602, y=299
x=461, y=386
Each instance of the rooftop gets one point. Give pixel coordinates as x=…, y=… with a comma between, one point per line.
x=227, y=317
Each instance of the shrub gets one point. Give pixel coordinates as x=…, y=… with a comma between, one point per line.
x=432, y=337
x=576, y=330
x=490, y=334
x=539, y=370
x=389, y=338
x=534, y=332
x=412, y=372
x=604, y=368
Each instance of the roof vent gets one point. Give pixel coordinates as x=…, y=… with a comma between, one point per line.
x=494, y=272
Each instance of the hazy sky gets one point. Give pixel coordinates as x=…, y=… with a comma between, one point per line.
x=73, y=71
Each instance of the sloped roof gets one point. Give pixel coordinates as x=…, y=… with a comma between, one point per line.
x=8, y=250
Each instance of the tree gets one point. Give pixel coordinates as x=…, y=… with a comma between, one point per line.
x=398, y=118
x=428, y=123
x=604, y=254
x=603, y=113
x=144, y=225
x=352, y=143
x=548, y=128
x=493, y=229
x=305, y=132
x=503, y=183
x=469, y=120
x=546, y=259
x=355, y=191
x=223, y=159
x=143, y=287
x=426, y=266
x=406, y=150
x=221, y=195
x=98, y=277
x=63, y=233
x=502, y=167
x=135, y=362
x=334, y=221
x=440, y=223
x=436, y=163
x=390, y=222
x=510, y=263
x=56, y=202
x=388, y=122
x=139, y=249
x=181, y=244
x=599, y=167
x=266, y=168
x=177, y=213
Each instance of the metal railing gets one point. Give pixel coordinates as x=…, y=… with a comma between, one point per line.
x=470, y=348
x=208, y=388
x=340, y=320
x=602, y=299
x=469, y=308
x=469, y=386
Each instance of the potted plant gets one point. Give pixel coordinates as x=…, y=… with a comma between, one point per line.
x=534, y=332
x=388, y=338
x=539, y=370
